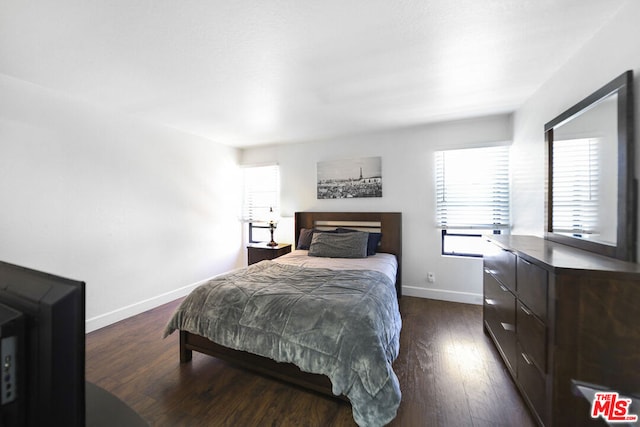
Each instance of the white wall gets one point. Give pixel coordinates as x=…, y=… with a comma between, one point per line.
x=141, y=213
x=137, y=211
x=408, y=187
x=613, y=50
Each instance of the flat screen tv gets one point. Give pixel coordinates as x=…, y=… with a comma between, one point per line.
x=42, y=340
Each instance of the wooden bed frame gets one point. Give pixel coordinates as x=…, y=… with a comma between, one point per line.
x=388, y=223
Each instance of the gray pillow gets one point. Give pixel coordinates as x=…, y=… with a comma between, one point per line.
x=304, y=241
x=374, y=239
x=336, y=245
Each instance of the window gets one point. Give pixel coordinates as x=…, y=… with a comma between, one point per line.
x=472, y=190
x=261, y=200
x=576, y=186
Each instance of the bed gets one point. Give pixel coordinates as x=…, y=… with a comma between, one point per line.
x=328, y=324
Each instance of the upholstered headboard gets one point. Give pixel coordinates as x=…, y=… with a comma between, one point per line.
x=387, y=223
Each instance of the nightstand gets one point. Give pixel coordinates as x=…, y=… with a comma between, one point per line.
x=257, y=252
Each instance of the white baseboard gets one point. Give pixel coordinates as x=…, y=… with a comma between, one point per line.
x=443, y=295
x=114, y=316
x=140, y=307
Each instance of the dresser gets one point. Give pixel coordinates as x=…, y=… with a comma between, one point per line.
x=558, y=315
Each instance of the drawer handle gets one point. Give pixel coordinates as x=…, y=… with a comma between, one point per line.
x=526, y=359
x=526, y=310
x=508, y=326
x=489, y=271
x=489, y=301
x=525, y=261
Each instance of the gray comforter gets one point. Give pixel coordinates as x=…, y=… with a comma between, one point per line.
x=343, y=324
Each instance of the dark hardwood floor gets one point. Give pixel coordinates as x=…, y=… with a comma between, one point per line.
x=450, y=375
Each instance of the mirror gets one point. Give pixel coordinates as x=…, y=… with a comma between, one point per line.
x=591, y=192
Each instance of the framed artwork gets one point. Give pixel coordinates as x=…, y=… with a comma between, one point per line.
x=350, y=178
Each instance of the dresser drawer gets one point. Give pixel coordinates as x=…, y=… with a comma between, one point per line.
x=500, y=317
x=532, y=336
x=532, y=382
x=502, y=264
x=532, y=287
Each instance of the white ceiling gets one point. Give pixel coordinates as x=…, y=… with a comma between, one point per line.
x=243, y=72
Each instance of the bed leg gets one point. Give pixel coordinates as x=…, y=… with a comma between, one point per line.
x=185, y=354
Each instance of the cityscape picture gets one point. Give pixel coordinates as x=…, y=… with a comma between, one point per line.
x=350, y=178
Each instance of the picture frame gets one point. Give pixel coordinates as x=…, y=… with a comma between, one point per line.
x=349, y=178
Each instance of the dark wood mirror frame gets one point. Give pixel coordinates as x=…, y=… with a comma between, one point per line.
x=625, y=248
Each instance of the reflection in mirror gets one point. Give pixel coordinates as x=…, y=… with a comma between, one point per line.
x=585, y=185
x=591, y=189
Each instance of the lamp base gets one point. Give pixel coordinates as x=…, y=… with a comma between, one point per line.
x=272, y=227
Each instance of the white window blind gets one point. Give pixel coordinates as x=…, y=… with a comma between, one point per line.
x=472, y=188
x=576, y=185
x=261, y=193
